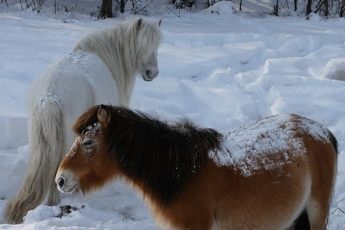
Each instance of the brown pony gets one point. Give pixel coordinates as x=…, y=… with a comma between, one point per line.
x=277, y=173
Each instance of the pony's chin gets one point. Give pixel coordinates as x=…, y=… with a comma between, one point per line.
x=147, y=78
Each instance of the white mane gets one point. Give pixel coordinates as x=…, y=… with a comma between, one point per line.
x=124, y=44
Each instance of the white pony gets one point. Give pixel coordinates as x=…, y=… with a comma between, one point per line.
x=100, y=69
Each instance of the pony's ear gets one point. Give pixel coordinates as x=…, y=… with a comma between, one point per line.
x=103, y=115
x=139, y=23
x=160, y=21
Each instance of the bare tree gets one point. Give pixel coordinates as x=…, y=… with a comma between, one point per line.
x=4, y=1
x=295, y=4
x=106, y=9
x=309, y=4
x=138, y=6
x=122, y=5
x=206, y=3
x=276, y=9
x=322, y=7
x=342, y=9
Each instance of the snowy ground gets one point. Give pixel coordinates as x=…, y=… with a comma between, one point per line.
x=218, y=70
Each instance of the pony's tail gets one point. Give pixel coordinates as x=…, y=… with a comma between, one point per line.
x=333, y=140
x=47, y=146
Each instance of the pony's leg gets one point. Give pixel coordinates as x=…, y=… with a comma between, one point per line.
x=319, y=202
x=318, y=212
x=317, y=215
x=324, y=171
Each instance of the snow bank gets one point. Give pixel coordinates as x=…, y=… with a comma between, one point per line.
x=221, y=8
x=335, y=69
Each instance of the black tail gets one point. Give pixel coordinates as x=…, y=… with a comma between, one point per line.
x=302, y=222
x=333, y=140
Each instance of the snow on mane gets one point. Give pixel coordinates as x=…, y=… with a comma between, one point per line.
x=89, y=131
x=248, y=147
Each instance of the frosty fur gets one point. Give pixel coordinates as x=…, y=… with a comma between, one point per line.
x=101, y=69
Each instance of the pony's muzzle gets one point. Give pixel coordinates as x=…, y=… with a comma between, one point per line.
x=60, y=182
x=65, y=182
x=149, y=75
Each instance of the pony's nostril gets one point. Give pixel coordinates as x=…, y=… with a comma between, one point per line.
x=148, y=72
x=61, y=182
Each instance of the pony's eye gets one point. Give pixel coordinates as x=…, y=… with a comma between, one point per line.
x=88, y=145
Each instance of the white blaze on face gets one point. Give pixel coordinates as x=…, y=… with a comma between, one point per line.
x=74, y=148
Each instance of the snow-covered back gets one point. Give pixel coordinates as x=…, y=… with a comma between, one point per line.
x=218, y=70
x=250, y=147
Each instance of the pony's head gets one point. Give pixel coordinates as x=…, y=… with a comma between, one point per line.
x=148, y=40
x=88, y=164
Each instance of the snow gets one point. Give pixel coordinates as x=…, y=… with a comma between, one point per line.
x=89, y=132
x=219, y=70
x=222, y=7
x=335, y=69
x=249, y=147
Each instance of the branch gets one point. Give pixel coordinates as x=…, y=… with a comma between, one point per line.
x=173, y=12
x=338, y=208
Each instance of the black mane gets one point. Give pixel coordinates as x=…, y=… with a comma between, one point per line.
x=160, y=156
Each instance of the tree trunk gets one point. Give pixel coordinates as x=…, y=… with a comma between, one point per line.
x=322, y=7
x=308, y=7
x=106, y=9
x=122, y=6
x=326, y=8
x=5, y=1
x=342, y=9
x=276, y=9
x=295, y=4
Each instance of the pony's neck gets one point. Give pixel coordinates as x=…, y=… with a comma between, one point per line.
x=116, y=51
x=159, y=158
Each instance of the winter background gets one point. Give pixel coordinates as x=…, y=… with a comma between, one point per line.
x=218, y=67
